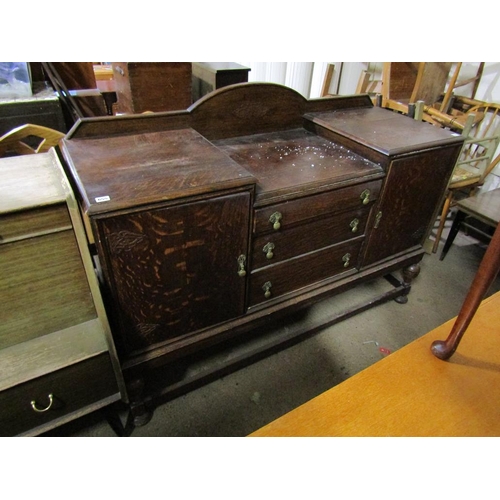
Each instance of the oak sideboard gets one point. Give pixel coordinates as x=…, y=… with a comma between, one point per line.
x=253, y=203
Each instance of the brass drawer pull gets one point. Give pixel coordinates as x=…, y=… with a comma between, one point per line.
x=354, y=225
x=377, y=219
x=346, y=259
x=267, y=289
x=241, y=266
x=47, y=408
x=275, y=220
x=365, y=196
x=268, y=250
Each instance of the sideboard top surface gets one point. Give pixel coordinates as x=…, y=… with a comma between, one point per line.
x=125, y=171
x=284, y=161
x=383, y=130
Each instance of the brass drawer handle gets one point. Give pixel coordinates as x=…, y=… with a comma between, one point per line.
x=275, y=220
x=346, y=259
x=268, y=250
x=241, y=266
x=47, y=408
x=365, y=196
x=378, y=217
x=267, y=289
x=354, y=225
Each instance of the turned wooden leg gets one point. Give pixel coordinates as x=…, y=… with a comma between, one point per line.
x=442, y=221
x=141, y=415
x=409, y=274
x=486, y=274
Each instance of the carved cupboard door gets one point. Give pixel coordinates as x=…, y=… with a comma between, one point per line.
x=410, y=197
x=175, y=270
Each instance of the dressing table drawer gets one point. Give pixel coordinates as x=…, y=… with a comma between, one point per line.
x=54, y=396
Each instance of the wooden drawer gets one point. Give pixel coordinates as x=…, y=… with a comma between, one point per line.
x=302, y=271
x=278, y=246
x=73, y=389
x=295, y=211
x=34, y=222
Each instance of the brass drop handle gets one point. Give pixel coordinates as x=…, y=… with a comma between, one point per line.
x=346, y=259
x=354, y=225
x=42, y=410
x=275, y=220
x=377, y=219
x=241, y=266
x=268, y=250
x=267, y=289
x=365, y=196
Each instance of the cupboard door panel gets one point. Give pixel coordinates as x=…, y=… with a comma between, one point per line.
x=174, y=270
x=408, y=202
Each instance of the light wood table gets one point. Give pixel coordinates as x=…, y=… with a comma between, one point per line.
x=413, y=393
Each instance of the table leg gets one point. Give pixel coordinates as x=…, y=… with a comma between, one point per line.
x=486, y=274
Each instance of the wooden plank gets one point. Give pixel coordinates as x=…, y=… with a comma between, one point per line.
x=23, y=362
x=413, y=393
x=29, y=181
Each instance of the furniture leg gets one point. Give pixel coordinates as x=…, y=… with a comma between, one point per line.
x=442, y=220
x=141, y=415
x=486, y=274
x=409, y=274
x=459, y=217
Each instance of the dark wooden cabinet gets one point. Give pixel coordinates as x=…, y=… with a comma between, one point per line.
x=152, y=86
x=253, y=203
x=210, y=76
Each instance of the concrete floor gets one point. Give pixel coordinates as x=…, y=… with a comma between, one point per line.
x=244, y=401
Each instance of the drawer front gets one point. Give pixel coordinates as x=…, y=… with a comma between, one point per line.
x=43, y=287
x=295, y=211
x=34, y=222
x=73, y=388
x=306, y=270
x=278, y=246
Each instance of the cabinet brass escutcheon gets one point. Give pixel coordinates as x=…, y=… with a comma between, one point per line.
x=346, y=259
x=268, y=250
x=354, y=225
x=241, y=266
x=377, y=219
x=365, y=196
x=275, y=220
x=267, y=289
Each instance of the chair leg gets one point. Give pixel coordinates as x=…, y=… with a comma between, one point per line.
x=442, y=221
x=459, y=217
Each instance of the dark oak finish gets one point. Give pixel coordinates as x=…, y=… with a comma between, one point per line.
x=162, y=262
x=210, y=76
x=484, y=207
x=152, y=86
x=195, y=195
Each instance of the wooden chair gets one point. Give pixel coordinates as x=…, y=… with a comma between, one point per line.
x=29, y=139
x=476, y=160
x=433, y=83
x=409, y=82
